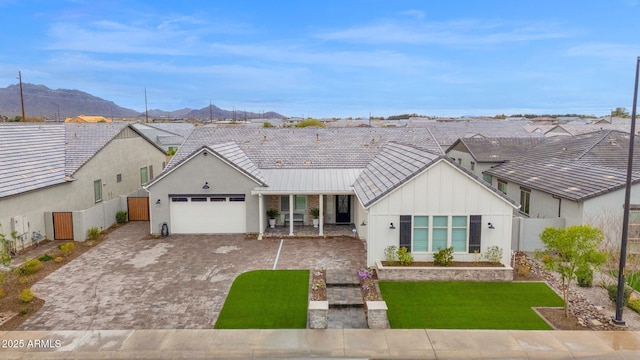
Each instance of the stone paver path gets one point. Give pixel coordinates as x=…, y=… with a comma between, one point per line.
x=129, y=282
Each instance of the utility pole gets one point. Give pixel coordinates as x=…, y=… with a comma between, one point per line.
x=146, y=109
x=58, y=112
x=21, y=96
x=625, y=217
x=210, y=113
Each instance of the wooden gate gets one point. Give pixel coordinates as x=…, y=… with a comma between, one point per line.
x=63, y=226
x=138, y=208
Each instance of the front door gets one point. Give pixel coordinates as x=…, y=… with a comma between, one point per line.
x=343, y=209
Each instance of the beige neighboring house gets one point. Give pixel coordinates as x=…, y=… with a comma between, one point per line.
x=61, y=179
x=87, y=119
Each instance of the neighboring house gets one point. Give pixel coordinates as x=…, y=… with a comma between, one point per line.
x=480, y=154
x=393, y=185
x=168, y=136
x=76, y=173
x=580, y=179
x=446, y=133
x=87, y=119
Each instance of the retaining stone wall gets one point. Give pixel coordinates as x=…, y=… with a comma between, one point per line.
x=408, y=273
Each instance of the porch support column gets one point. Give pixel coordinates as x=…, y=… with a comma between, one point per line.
x=261, y=215
x=321, y=217
x=291, y=208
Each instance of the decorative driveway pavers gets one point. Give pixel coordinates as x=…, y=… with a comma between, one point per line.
x=130, y=282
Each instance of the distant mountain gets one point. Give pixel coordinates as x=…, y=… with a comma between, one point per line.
x=217, y=113
x=40, y=101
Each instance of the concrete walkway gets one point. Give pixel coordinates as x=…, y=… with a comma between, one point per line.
x=338, y=343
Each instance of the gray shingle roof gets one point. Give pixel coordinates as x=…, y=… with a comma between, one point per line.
x=305, y=148
x=392, y=166
x=32, y=156
x=497, y=149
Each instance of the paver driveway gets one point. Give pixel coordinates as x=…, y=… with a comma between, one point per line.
x=178, y=282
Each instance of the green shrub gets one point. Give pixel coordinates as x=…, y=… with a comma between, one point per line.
x=584, y=276
x=67, y=248
x=391, y=255
x=93, y=233
x=30, y=267
x=613, y=293
x=58, y=259
x=121, y=217
x=267, y=124
x=493, y=254
x=634, y=305
x=404, y=256
x=46, y=257
x=25, y=295
x=310, y=122
x=24, y=310
x=443, y=257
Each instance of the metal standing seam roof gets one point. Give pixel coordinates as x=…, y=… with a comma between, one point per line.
x=308, y=181
x=32, y=156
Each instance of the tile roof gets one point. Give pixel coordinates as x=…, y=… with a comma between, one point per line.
x=231, y=152
x=85, y=140
x=446, y=133
x=497, y=149
x=181, y=129
x=32, y=156
x=568, y=179
x=305, y=148
x=576, y=168
x=392, y=166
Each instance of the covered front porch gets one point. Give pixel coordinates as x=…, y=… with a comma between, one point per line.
x=330, y=230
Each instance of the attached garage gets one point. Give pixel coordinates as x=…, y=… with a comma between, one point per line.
x=208, y=214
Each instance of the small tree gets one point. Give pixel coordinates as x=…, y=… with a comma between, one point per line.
x=569, y=249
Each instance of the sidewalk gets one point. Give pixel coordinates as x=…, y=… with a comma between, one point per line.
x=332, y=343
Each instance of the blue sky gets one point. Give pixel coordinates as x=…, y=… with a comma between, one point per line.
x=331, y=58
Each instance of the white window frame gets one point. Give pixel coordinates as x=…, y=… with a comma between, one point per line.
x=501, y=184
x=97, y=190
x=430, y=227
x=525, y=200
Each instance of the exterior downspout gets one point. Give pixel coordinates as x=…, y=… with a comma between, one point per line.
x=559, y=204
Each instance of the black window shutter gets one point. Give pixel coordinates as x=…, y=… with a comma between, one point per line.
x=405, y=231
x=475, y=232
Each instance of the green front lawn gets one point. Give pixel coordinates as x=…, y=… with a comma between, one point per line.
x=467, y=305
x=267, y=299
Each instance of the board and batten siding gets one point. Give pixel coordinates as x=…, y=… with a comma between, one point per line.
x=442, y=189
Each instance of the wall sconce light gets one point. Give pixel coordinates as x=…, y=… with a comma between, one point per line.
x=491, y=226
x=206, y=184
x=363, y=223
x=392, y=227
x=158, y=202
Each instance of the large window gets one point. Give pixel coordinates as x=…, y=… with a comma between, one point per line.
x=434, y=233
x=525, y=200
x=502, y=186
x=97, y=190
x=299, y=203
x=487, y=178
x=144, y=175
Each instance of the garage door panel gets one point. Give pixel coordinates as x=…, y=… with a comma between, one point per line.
x=208, y=217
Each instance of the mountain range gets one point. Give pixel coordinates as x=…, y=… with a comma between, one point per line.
x=41, y=101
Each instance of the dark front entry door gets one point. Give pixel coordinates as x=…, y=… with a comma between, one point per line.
x=343, y=208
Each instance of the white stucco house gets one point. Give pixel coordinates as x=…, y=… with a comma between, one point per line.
x=61, y=179
x=394, y=186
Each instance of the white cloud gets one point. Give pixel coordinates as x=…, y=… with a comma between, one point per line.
x=605, y=50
